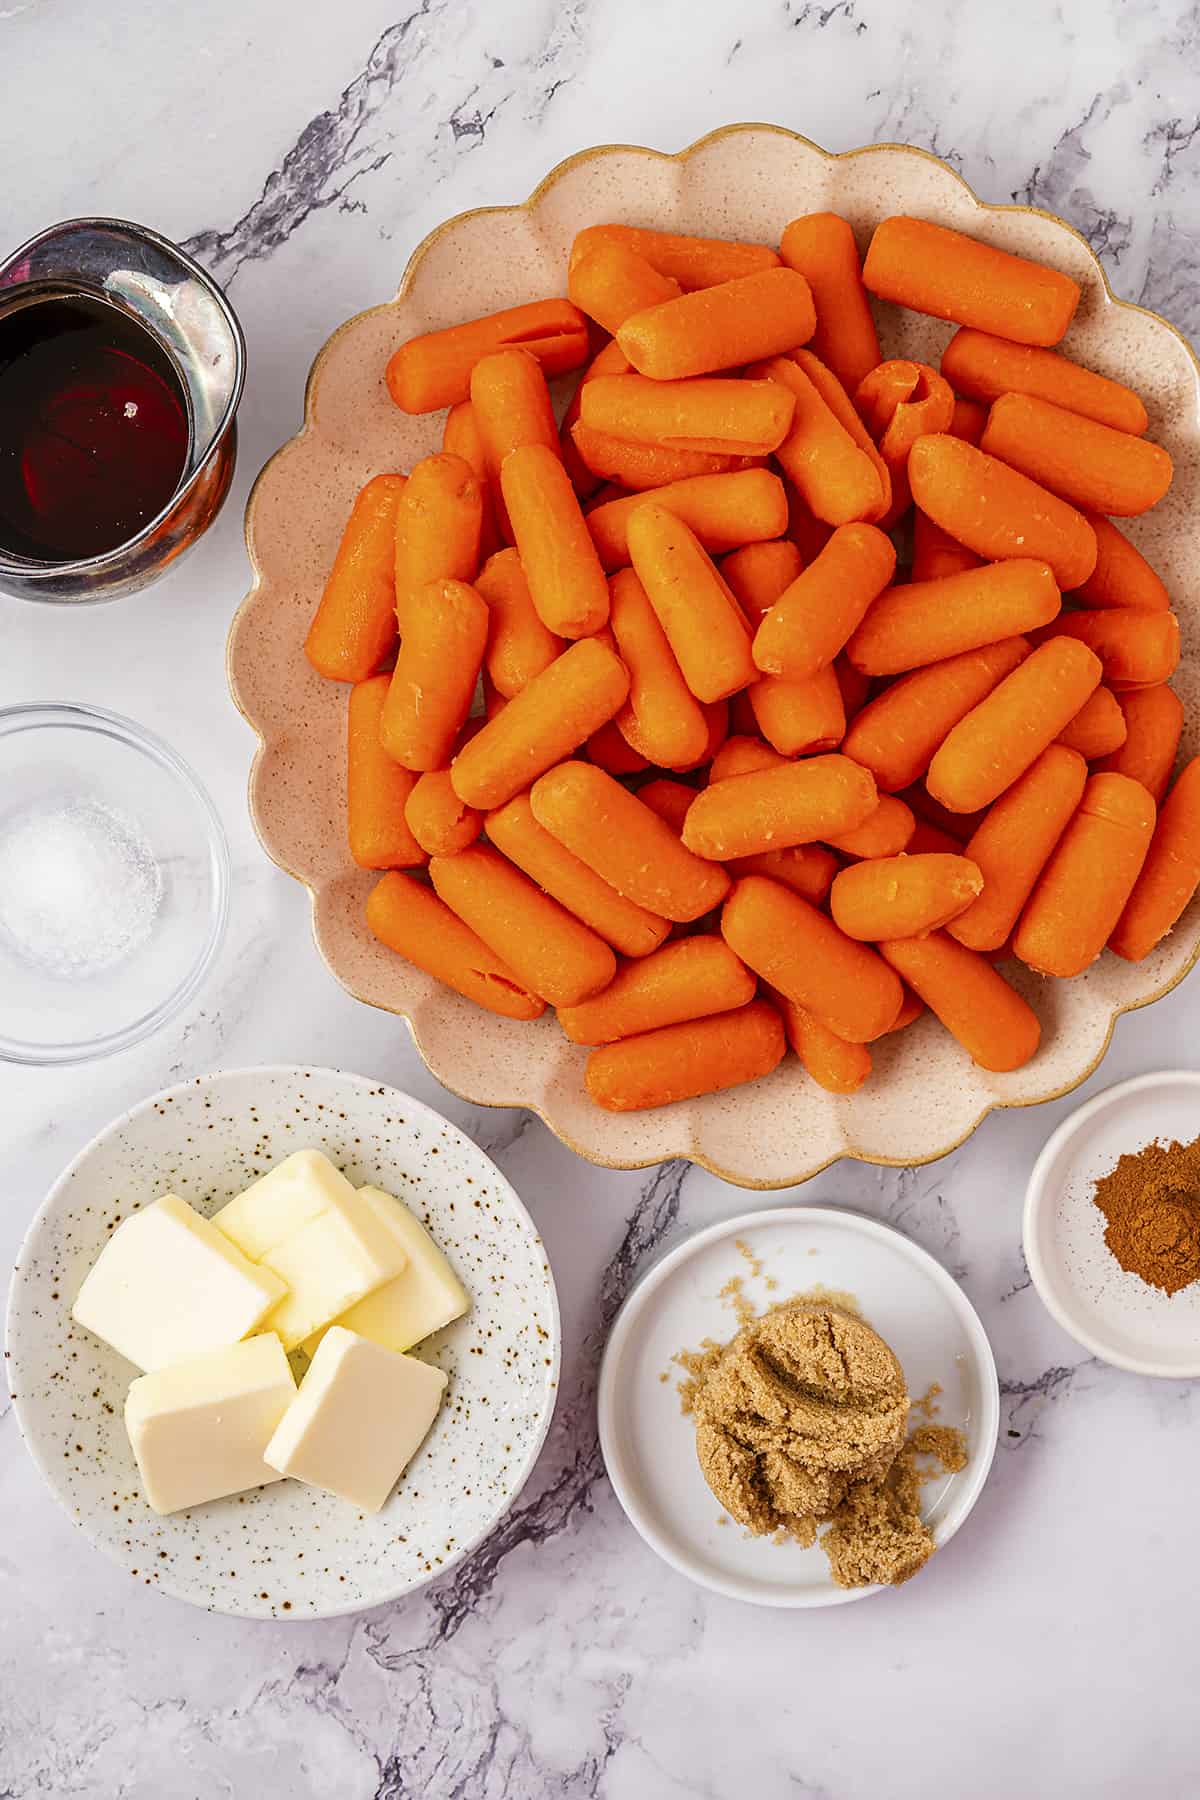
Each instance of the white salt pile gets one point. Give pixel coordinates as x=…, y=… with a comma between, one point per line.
x=79, y=887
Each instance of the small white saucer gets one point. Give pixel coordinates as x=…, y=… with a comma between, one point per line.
x=1117, y=1316
x=649, y=1445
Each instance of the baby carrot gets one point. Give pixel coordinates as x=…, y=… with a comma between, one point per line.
x=546, y=721
x=885, y=832
x=808, y=869
x=613, y=752
x=519, y=645
x=998, y=512
x=996, y=1028
x=998, y=739
x=680, y=1062
x=512, y=406
x=716, y=717
x=434, y=370
x=377, y=787
x=800, y=717
x=1082, y=891
x=896, y=734
x=354, y=627
x=902, y=896
x=837, y=477
x=1013, y=843
x=741, y=756
x=1087, y=463
x=1170, y=874
x=669, y=799
x=688, y=979
x=694, y=262
x=834, y=1063
x=439, y=821
x=1098, y=728
x=968, y=421
x=952, y=276
x=821, y=245
x=610, y=361
x=566, y=582
x=411, y=920
x=1153, y=722
x=805, y=955
x=1137, y=649
x=758, y=573
x=703, y=623
x=612, y=282
x=641, y=467
x=461, y=437
x=625, y=843
x=909, y=1013
x=628, y=928
x=768, y=809
x=662, y=719
x=899, y=402
x=710, y=414
x=817, y=615
x=722, y=327
x=983, y=367
x=723, y=511
x=554, y=953
x=908, y=627
x=1122, y=576
x=935, y=552
x=439, y=522
x=437, y=667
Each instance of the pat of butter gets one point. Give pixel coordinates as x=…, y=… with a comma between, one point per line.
x=290, y=1195
x=360, y=1417
x=426, y=1295
x=328, y=1265
x=199, y=1428
x=168, y=1285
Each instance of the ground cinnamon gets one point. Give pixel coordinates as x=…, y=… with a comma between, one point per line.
x=1151, y=1205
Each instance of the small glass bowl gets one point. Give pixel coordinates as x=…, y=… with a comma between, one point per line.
x=82, y=757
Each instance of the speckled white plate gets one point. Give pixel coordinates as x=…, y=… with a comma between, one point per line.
x=649, y=1444
x=1115, y=1315
x=289, y=1551
x=745, y=181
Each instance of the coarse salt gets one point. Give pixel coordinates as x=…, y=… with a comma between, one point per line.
x=79, y=887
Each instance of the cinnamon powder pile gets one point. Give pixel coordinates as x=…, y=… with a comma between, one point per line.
x=1151, y=1207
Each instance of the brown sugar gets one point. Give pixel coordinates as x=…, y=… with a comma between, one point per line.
x=1151, y=1207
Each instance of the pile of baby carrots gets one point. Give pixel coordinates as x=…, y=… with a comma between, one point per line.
x=734, y=780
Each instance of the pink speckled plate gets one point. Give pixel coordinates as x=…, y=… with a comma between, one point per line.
x=746, y=181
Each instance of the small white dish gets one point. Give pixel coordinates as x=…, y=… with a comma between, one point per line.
x=1117, y=1316
x=289, y=1551
x=649, y=1445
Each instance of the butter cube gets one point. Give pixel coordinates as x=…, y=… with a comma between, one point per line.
x=168, y=1285
x=359, y=1419
x=426, y=1295
x=199, y=1428
x=328, y=1265
x=290, y=1195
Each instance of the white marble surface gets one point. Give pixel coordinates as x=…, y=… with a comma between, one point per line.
x=303, y=152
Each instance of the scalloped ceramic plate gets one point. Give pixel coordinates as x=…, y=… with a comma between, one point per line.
x=746, y=181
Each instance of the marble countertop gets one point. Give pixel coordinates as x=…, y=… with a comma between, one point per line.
x=302, y=153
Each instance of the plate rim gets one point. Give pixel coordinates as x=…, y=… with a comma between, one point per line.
x=622, y=1327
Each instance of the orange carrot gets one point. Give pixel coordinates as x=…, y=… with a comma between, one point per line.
x=1153, y=722
x=741, y=756
x=434, y=370
x=998, y=512
x=839, y=479
x=1087, y=463
x=927, y=621
x=803, y=954
x=795, y=803
x=354, y=627
x=709, y=414
x=1013, y=843
x=903, y=896
x=834, y=1063
x=377, y=788
x=641, y=467
x=723, y=511
x=1098, y=728
x=899, y=402
x=808, y=869
x=998, y=739
x=661, y=719
x=549, y=719
x=439, y=522
x=461, y=437
x=566, y=582
x=722, y=327
x=1082, y=891
x=612, y=282
x=554, y=953
x=610, y=361
x=716, y=718
x=817, y=615
x=694, y=262
x=625, y=843
x=821, y=245
x=935, y=552
x=412, y=921
x=1170, y=874
x=996, y=1028
x=1122, y=576
x=512, y=407
x=669, y=799
x=845, y=412
x=439, y=821
x=519, y=645
x=952, y=276
x=680, y=1062
x=969, y=420
x=628, y=928
x=800, y=717
x=688, y=979
x=1137, y=649
x=984, y=367
x=910, y=1011
x=704, y=625
x=437, y=667
x=611, y=751
x=885, y=832
x=758, y=574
